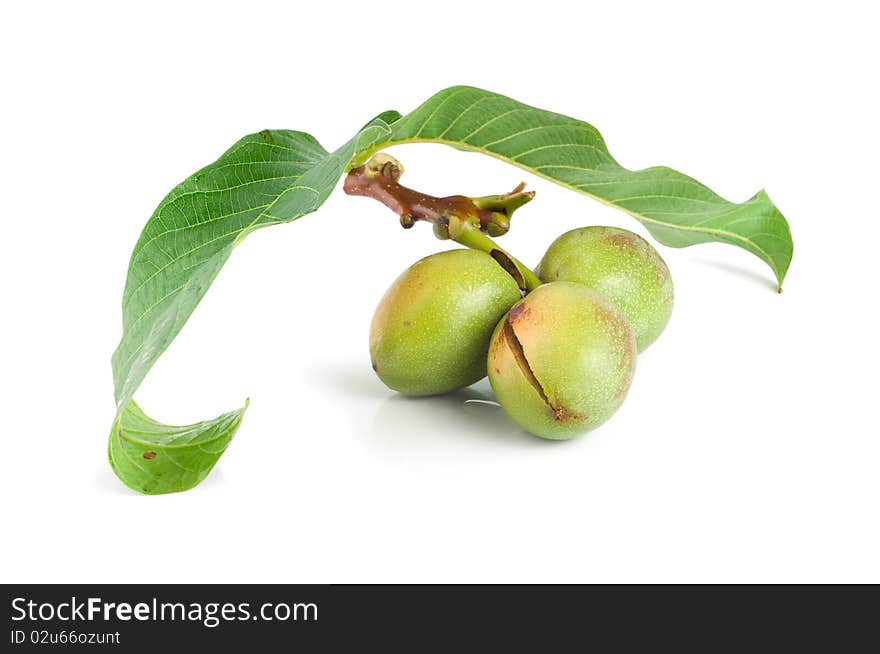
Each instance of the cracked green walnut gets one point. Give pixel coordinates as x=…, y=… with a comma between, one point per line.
x=562, y=360
x=430, y=333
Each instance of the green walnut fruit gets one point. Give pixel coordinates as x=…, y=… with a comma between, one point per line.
x=430, y=333
x=623, y=267
x=562, y=360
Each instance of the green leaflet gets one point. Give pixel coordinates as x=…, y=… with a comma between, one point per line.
x=154, y=458
x=676, y=209
x=264, y=179
x=277, y=176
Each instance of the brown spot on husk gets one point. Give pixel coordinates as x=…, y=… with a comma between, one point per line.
x=521, y=313
x=661, y=271
x=561, y=414
x=515, y=312
x=149, y=455
x=604, y=314
x=623, y=241
x=628, y=355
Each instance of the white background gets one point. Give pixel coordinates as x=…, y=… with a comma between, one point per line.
x=747, y=449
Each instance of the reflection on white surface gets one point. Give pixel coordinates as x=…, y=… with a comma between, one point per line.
x=440, y=426
x=395, y=426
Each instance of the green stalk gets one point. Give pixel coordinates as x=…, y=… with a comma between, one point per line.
x=469, y=235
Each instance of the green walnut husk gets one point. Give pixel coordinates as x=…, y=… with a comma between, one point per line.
x=623, y=267
x=562, y=360
x=430, y=333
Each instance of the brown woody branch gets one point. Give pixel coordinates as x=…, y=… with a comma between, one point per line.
x=378, y=179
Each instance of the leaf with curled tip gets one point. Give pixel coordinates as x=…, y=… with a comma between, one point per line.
x=153, y=458
x=676, y=209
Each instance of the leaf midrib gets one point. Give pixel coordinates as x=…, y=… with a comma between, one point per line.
x=122, y=435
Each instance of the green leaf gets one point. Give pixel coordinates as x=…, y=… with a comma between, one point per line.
x=271, y=177
x=154, y=458
x=676, y=209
